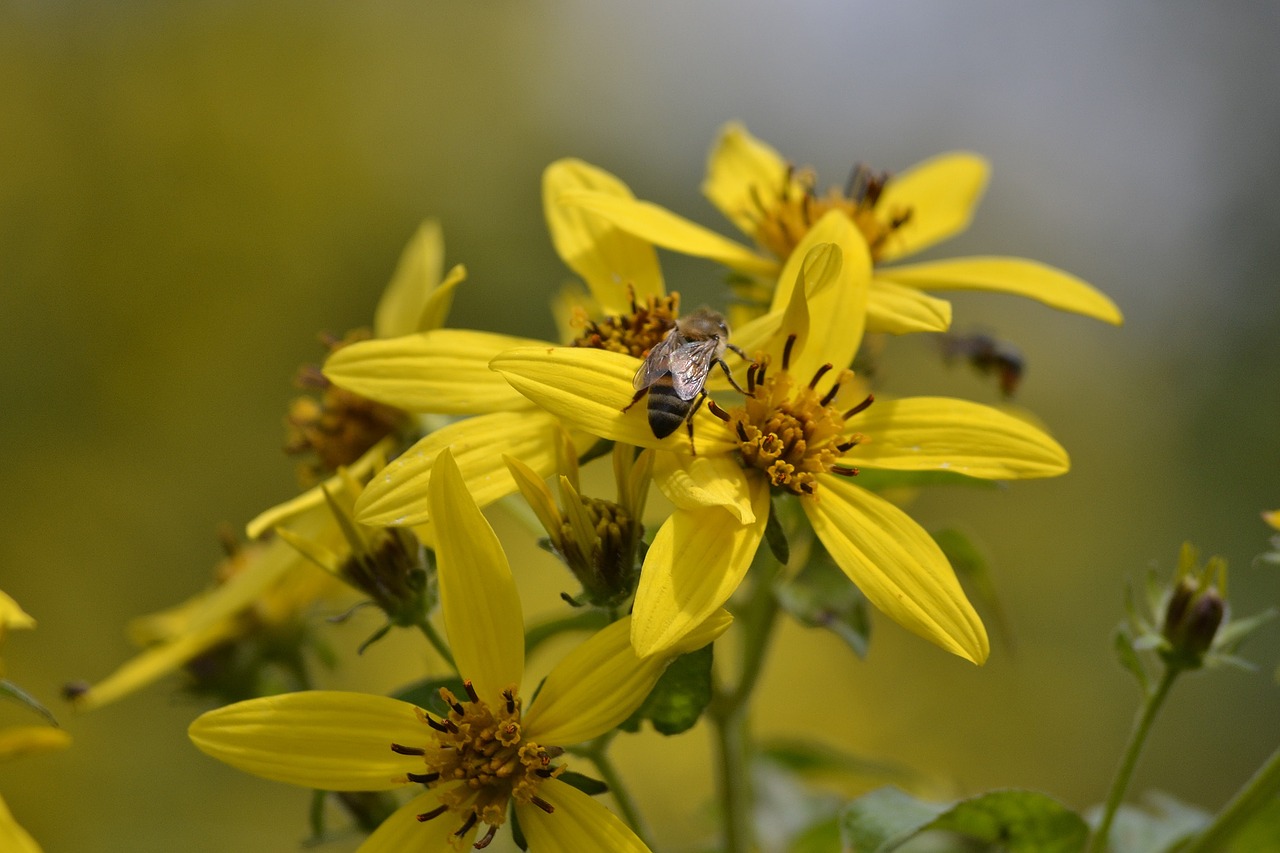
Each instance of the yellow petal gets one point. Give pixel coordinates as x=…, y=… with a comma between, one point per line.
x=743, y=174
x=12, y=615
x=478, y=595
x=897, y=565
x=1017, y=276
x=1272, y=518
x=18, y=741
x=941, y=433
x=607, y=258
x=578, y=823
x=416, y=276
x=445, y=371
x=403, y=831
x=312, y=502
x=397, y=495
x=319, y=739
x=15, y=839
x=602, y=682
x=698, y=482
x=663, y=228
x=589, y=389
x=897, y=310
x=536, y=494
x=696, y=561
x=941, y=194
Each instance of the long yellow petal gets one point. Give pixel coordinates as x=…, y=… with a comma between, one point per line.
x=1017, y=276
x=607, y=258
x=403, y=831
x=397, y=496
x=897, y=565
x=445, y=371
x=15, y=839
x=696, y=561
x=602, y=681
x=19, y=741
x=663, y=228
x=941, y=193
x=579, y=823
x=319, y=739
x=941, y=433
x=589, y=389
x=743, y=173
x=897, y=310
x=698, y=482
x=482, y=615
x=308, y=510
x=416, y=276
x=12, y=615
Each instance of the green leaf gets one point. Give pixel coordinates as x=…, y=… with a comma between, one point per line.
x=426, y=693
x=878, y=480
x=821, y=596
x=680, y=696
x=1019, y=821
x=1154, y=829
x=973, y=568
x=812, y=759
x=1261, y=831
x=821, y=837
x=1128, y=657
x=587, y=785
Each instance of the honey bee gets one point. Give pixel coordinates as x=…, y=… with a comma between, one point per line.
x=674, y=372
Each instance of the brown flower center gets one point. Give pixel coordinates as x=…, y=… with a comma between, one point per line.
x=635, y=333
x=483, y=748
x=791, y=432
x=781, y=226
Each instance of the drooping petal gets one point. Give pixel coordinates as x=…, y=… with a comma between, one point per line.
x=942, y=433
x=698, y=482
x=304, y=512
x=663, y=228
x=608, y=258
x=444, y=371
x=324, y=739
x=15, y=839
x=1018, y=276
x=897, y=565
x=897, y=310
x=696, y=561
x=403, y=831
x=743, y=174
x=602, y=682
x=589, y=389
x=941, y=193
x=416, y=276
x=579, y=823
x=397, y=496
x=482, y=615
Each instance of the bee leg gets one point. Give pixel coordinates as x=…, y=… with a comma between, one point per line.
x=688, y=422
x=635, y=399
x=732, y=381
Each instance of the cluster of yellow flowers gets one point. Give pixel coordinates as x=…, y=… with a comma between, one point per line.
x=401, y=514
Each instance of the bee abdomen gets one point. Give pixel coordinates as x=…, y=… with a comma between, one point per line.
x=666, y=409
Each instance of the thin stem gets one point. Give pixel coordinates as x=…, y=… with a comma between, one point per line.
x=1257, y=792
x=597, y=753
x=437, y=642
x=1137, y=738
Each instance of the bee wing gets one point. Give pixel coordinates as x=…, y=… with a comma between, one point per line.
x=689, y=366
x=658, y=362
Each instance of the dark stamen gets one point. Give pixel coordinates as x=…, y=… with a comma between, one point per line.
x=786, y=351
x=433, y=814
x=488, y=837
x=458, y=708
x=760, y=373
x=407, y=750
x=423, y=778
x=717, y=411
x=844, y=471
x=742, y=432
x=471, y=691
x=751, y=377
x=466, y=827
x=849, y=445
x=542, y=804
x=511, y=701
x=818, y=374
x=830, y=395
x=861, y=407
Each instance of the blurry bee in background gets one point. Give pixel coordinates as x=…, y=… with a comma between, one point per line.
x=675, y=370
x=987, y=355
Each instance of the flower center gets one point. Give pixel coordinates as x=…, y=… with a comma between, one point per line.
x=483, y=748
x=635, y=333
x=606, y=564
x=781, y=226
x=339, y=426
x=790, y=431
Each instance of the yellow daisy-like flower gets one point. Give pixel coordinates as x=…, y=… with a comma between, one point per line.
x=489, y=751
x=803, y=432
x=776, y=205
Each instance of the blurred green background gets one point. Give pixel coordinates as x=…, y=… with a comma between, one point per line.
x=190, y=192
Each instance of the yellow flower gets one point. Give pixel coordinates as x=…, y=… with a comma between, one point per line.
x=1272, y=518
x=801, y=434
x=776, y=205
x=489, y=751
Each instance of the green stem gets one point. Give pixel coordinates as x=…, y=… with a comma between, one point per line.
x=597, y=753
x=437, y=642
x=1137, y=738
x=729, y=708
x=1257, y=792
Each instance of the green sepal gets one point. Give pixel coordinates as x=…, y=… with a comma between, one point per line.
x=820, y=596
x=1019, y=821
x=517, y=834
x=586, y=784
x=426, y=693
x=974, y=570
x=22, y=697
x=776, y=536
x=603, y=447
x=586, y=620
x=678, y=699
x=373, y=638
x=1128, y=657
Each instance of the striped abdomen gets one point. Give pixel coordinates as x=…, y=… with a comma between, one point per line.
x=666, y=408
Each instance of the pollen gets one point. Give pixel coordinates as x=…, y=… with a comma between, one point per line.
x=480, y=748
x=635, y=333
x=797, y=206
x=791, y=431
